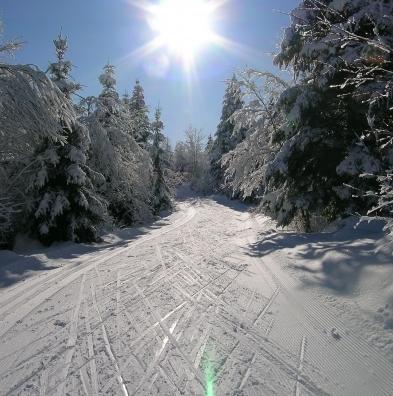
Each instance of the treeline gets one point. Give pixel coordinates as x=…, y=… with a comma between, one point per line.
x=320, y=146
x=66, y=169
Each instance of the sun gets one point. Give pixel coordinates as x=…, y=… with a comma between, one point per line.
x=181, y=30
x=183, y=26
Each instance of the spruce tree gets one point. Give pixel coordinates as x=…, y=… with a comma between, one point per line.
x=108, y=104
x=225, y=138
x=64, y=205
x=161, y=194
x=60, y=71
x=140, y=116
x=321, y=152
x=126, y=166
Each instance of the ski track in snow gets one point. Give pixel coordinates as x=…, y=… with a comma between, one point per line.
x=150, y=317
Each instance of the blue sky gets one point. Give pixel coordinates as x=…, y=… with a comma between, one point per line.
x=102, y=30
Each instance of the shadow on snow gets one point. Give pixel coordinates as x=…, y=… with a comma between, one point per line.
x=331, y=259
x=31, y=257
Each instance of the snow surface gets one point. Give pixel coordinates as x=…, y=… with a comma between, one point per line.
x=208, y=288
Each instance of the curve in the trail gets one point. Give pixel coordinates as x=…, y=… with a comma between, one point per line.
x=27, y=302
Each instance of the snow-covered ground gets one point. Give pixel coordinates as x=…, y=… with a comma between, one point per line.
x=210, y=300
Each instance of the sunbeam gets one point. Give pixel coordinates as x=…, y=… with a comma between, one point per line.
x=183, y=29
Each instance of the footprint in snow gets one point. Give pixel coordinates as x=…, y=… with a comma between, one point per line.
x=60, y=323
x=335, y=334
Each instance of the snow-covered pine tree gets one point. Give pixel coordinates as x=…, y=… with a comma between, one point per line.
x=370, y=36
x=161, y=197
x=114, y=153
x=245, y=166
x=60, y=71
x=63, y=204
x=321, y=151
x=140, y=116
x=168, y=154
x=108, y=104
x=209, y=144
x=225, y=137
x=126, y=99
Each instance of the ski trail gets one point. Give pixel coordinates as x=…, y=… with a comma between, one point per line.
x=84, y=378
x=154, y=325
x=91, y=354
x=269, y=327
x=143, y=334
x=43, y=381
x=248, y=372
x=154, y=363
x=118, y=310
x=169, y=335
x=202, y=347
x=271, y=351
x=160, y=259
x=169, y=379
x=28, y=303
x=248, y=305
x=71, y=343
x=267, y=306
x=320, y=317
x=300, y=368
x=108, y=346
x=154, y=379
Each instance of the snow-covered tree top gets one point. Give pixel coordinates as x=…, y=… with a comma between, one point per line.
x=107, y=78
x=157, y=125
x=60, y=71
x=137, y=101
x=233, y=99
x=108, y=101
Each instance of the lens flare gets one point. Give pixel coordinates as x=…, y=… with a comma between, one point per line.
x=209, y=377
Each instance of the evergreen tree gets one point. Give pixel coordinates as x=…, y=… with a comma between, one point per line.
x=161, y=194
x=63, y=204
x=126, y=99
x=60, y=71
x=321, y=152
x=209, y=144
x=126, y=166
x=140, y=116
x=168, y=153
x=108, y=104
x=225, y=137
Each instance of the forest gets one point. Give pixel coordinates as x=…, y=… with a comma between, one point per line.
x=305, y=151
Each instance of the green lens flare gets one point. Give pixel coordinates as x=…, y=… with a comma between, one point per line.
x=209, y=374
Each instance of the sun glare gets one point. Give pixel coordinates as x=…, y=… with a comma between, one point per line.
x=182, y=29
x=183, y=26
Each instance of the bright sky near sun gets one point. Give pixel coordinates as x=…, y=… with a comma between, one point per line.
x=181, y=50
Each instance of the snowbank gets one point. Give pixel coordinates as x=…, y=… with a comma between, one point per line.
x=349, y=266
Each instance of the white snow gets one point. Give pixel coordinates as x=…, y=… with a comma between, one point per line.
x=359, y=161
x=150, y=309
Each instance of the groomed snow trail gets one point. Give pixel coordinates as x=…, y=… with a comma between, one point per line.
x=184, y=308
